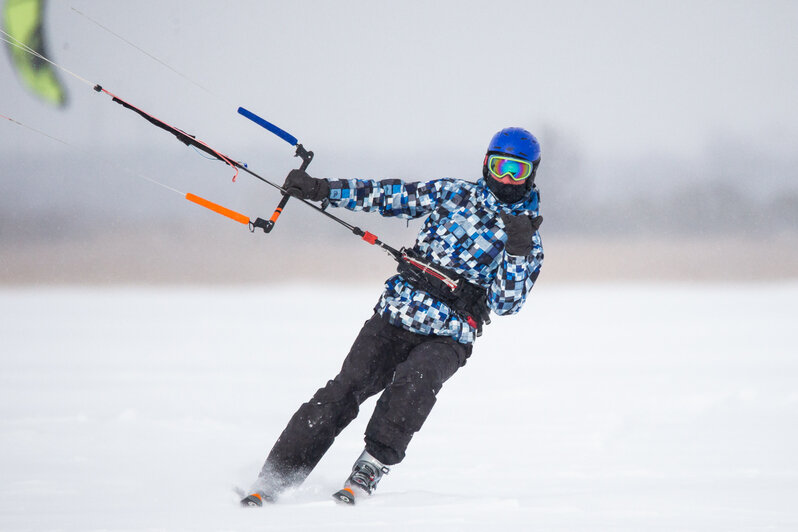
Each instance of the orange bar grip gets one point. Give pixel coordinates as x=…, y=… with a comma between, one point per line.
x=224, y=211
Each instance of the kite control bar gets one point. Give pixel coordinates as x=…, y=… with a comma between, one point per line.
x=192, y=141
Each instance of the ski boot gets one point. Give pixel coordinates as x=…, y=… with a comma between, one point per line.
x=259, y=493
x=256, y=498
x=366, y=473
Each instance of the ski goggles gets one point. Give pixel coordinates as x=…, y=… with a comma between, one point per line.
x=502, y=166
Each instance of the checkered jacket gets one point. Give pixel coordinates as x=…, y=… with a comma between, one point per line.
x=462, y=232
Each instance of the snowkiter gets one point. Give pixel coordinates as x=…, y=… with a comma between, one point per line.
x=480, y=237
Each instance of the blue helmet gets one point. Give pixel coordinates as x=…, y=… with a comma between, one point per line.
x=517, y=142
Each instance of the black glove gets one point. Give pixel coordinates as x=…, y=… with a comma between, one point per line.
x=300, y=185
x=520, y=230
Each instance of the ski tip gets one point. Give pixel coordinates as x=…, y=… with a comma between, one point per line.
x=345, y=496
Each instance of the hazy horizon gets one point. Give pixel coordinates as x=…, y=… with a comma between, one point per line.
x=658, y=121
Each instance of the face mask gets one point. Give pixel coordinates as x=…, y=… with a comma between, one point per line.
x=508, y=193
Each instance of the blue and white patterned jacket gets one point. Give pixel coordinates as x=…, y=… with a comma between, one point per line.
x=462, y=232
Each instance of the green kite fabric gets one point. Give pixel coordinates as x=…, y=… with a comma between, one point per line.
x=23, y=21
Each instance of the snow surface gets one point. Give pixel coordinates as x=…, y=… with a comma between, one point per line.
x=600, y=407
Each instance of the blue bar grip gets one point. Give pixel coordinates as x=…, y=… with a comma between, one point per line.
x=290, y=139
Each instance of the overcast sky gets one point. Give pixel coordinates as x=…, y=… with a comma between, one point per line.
x=371, y=80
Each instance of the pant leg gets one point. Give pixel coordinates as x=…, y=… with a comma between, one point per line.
x=408, y=399
x=367, y=369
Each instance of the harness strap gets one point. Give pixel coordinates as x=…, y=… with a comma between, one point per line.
x=468, y=300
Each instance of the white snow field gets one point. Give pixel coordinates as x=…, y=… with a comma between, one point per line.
x=600, y=407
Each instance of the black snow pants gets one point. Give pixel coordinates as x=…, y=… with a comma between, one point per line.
x=408, y=368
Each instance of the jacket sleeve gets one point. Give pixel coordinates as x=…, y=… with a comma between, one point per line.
x=389, y=197
x=514, y=279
